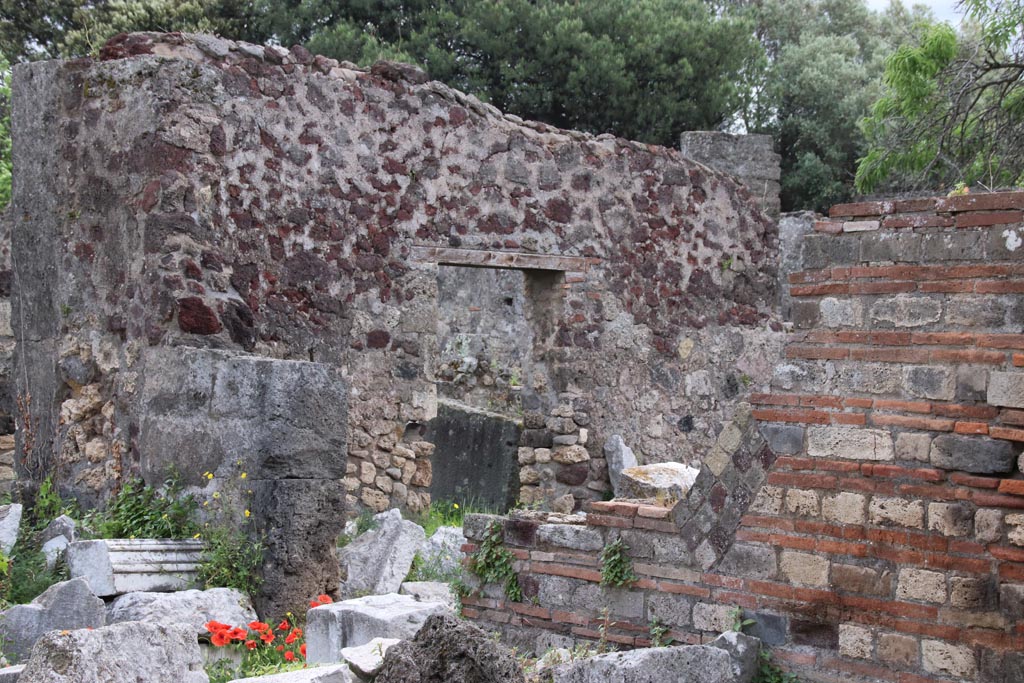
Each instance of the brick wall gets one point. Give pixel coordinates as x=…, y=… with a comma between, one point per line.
x=887, y=542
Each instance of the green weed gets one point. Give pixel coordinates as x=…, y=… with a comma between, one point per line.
x=141, y=511
x=493, y=562
x=231, y=559
x=616, y=565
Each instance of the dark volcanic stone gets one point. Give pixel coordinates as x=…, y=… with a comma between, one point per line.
x=448, y=650
x=196, y=317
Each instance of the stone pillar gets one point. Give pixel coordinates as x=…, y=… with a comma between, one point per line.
x=273, y=435
x=748, y=158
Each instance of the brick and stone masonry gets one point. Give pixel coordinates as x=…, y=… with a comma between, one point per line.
x=187, y=191
x=887, y=540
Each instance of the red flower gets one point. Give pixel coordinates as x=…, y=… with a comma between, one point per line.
x=259, y=626
x=214, y=626
x=267, y=637
x=238, y=634
x=284, y=626
x=289, y=656
x=302, y=649
x=279, y=648
x=322, y=599
x=290, y=639
x=251, y=644
x=297, y=632
x=220, y=639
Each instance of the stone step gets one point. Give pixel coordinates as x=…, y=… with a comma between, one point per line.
x=116, y=566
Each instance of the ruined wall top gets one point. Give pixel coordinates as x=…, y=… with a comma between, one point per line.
x=751, y=159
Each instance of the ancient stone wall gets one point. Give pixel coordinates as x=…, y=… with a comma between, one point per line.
x=189, y=191
x=887, y=542
x=749, y=158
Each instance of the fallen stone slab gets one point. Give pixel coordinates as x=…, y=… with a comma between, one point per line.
x=429, y=591
x=449, y=650
x=442, y=552
x=619, y=457
x=331, y=628
x=377, y=562
x=683, y=664
x=62, y=526
x=192, y=607
x=134, y=651
x=330, y=673
x=366, y=660
x=53, y=551
x=10, y=674
x=664, y=482
x=744, y=651
x=65, y=605
x=56, y=537
x=10, y=519
x=116, y=566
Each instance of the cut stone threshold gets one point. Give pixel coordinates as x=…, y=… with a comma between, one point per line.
x=116, y=566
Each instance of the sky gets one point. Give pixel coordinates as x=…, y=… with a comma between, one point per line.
x=944, y=10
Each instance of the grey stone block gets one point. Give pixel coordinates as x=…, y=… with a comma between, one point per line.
x=574, y=536
x=822, y=251
x=895, y=246
x=744, y=650
x=975, y=311
x=474, y=525
x=366, y=660
x=749, y=561
x=770, y=629
x=1006, y=389
x=904, y=310
x=1006, y=243
x=378, y=561
x=328, y=673
x=135, y=651
x=11, y=674
x=10, y=519
x=619, y=457
x=670, y=609
x=783, y=439
x=330, y=628
x=687, y=664
x=66, y=605
x=115, y=566
x=429, y=591
x=934, y=383
x=971, y=383
x=961, y=245
x=974, y=454
x=1011, y=600
x=192, y=607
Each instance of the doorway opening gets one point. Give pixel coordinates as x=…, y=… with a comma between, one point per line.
x=494, y=326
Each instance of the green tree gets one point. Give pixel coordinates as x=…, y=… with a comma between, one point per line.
x=953, y=107
x=70, y=28
x=822, y=67
x=644, y=69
